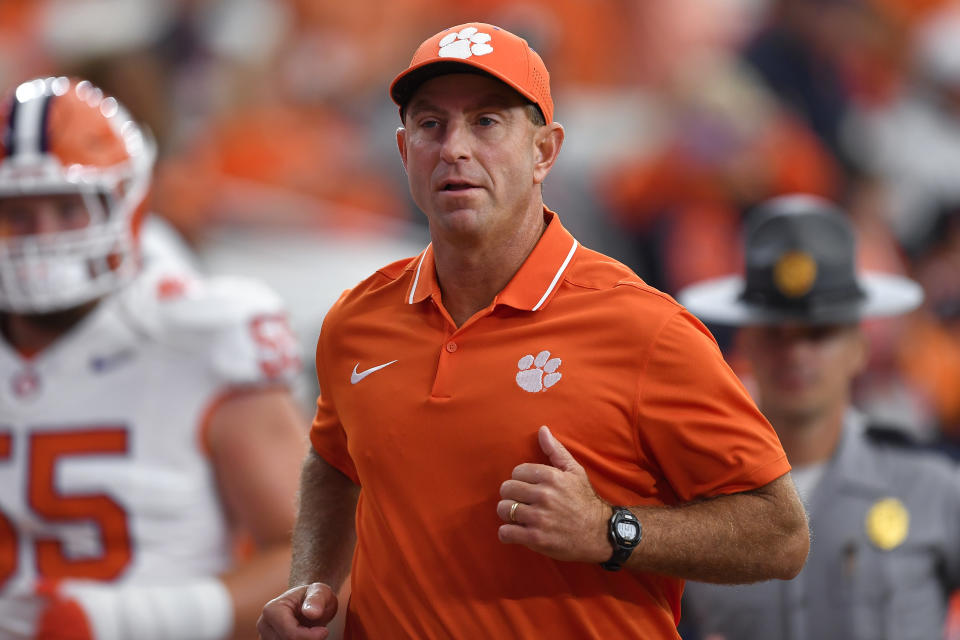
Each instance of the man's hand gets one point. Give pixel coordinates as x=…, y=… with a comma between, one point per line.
x=301, y=613
x=558, y=513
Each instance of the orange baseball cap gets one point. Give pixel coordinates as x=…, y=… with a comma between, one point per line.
x=503, y=55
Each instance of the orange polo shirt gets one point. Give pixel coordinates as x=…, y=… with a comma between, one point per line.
x=429, y=419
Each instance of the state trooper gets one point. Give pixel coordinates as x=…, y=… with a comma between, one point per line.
x=884, y=514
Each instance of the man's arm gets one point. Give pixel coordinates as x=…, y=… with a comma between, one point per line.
x=737, y=538
x=325, y=533
x=256, y=440
x=323, y=540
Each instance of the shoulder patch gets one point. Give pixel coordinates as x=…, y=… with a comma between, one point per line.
x=170, y=287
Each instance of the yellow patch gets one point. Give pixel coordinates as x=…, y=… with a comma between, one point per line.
x=887, y=523
x=794, y=273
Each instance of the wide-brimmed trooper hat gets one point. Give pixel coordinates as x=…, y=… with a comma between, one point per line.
x=800, y=256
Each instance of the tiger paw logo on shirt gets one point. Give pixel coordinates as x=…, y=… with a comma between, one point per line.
x=538, y=374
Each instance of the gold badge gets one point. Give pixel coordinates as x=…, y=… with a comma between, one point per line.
x=794, y=273
x=887, y=523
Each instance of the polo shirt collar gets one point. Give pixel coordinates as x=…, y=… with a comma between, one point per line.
x=531, y=286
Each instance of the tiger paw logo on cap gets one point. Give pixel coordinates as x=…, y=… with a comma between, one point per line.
x=795, y=273
x=467, y=42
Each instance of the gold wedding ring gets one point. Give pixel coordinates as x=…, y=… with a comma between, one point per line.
x=513, y=511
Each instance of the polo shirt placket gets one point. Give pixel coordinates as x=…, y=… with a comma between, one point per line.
x=527, y=292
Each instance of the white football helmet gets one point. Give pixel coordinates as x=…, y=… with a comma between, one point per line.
x=64, y=136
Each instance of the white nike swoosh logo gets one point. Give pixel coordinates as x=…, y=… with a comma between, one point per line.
x=356, y=376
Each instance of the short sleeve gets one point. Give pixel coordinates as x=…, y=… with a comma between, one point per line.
x=327, y=436
x=698, y=421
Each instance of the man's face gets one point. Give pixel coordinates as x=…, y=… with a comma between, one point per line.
x=38, y=215
x=803, y=372
x=471, y=154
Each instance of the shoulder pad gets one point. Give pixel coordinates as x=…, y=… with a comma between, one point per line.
x=239, y=326
x=211, y=303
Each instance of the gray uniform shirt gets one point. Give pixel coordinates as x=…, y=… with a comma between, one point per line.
x=884, y=554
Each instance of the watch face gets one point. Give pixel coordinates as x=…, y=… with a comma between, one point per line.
x=627, y=530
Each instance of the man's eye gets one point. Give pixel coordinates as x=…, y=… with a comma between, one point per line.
x=18, y=219
x=485, y=121
x=429, y=124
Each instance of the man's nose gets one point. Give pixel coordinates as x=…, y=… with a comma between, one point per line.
x=47, y=219
x=456, y=142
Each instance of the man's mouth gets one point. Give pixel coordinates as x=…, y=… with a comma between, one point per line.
x=454, y=185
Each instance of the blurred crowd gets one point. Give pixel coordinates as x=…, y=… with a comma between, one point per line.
x=272, y=116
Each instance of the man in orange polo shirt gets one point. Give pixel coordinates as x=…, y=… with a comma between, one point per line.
x=487, y=404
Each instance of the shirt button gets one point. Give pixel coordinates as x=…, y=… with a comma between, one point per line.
x=451, y=347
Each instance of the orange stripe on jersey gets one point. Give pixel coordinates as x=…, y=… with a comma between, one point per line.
x=206, y=416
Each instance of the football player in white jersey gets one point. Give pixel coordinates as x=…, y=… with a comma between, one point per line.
x=146, y=417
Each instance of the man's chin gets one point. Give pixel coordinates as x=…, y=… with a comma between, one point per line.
x=458, y=220
x=795, y=402
x=798, y=411
x=62, y=319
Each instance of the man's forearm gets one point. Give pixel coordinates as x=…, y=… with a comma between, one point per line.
x=738, y=538
x=324, y=534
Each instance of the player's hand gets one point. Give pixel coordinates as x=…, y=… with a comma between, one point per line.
x=301, y=613
x=559, y=514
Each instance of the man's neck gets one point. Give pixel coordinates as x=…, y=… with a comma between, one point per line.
x=809, y=439
x=30, y=334
x=472, y=274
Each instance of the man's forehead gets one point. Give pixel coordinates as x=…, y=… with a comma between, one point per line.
x=464, y=89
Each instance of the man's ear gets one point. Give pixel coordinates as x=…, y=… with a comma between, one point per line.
x=547, y=141
x=402, y=145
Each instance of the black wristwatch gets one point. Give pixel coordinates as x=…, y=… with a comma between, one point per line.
x=625, y=532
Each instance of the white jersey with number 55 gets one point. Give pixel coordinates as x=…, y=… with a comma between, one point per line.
x=103, y=469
